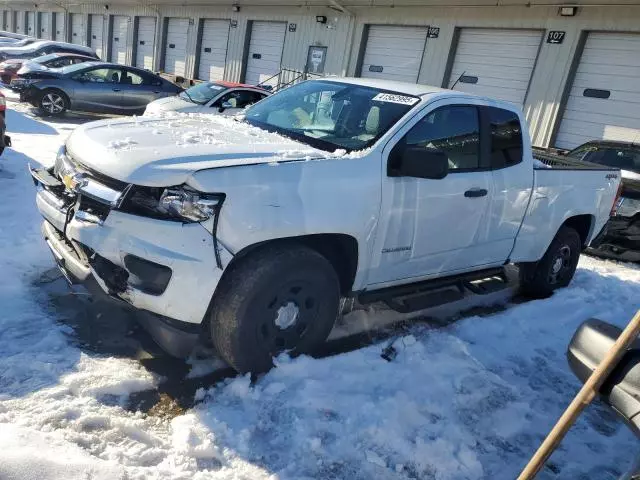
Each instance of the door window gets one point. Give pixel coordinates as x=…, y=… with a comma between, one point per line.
x=239, y=98
x=453, y=130
x=506, y=137
x=101, y=75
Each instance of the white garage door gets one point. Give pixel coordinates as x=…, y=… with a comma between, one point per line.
x=265, y=52
x=59, y=31
x=213, y=50
x=175, y=56
x=145, y=42
x=394, y=52
x=31, y=24
x=5, y=20
x=495, y=63
x=78, y=32
x=45, y=25
x=97, y=34
x=18, y=22
x=119, y=37
x=604, y=100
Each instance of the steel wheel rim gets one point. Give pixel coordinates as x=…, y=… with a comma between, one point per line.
x=53, y=103
x=282, y=338
x=560, y=265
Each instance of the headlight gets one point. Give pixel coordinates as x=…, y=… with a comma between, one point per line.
x=175, y=203
x=189, y=204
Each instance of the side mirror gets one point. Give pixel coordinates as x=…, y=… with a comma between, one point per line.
x=588, y=347
x=419, y=162
x=224, y=106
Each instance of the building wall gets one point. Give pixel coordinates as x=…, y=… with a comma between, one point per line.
x=343, y=35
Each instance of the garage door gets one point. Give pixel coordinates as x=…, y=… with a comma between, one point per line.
x=394, y=52
x=5, y=20
x=495, y=63
x=265, y=52
x=45, y=25
x=119, y=37
x=604, y=100
x=31, y=24
x=175, y=55
x=18, y=22
x=78, y=32
x=213, y=49
x=59, y=31
x=145, y=42
x=97, y=34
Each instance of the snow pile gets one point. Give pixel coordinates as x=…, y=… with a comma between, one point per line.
x=470, y=400
x=120, y=144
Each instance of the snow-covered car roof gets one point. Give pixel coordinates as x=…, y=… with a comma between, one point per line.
x=44, y=43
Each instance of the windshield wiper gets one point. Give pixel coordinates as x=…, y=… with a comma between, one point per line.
x=189, y=97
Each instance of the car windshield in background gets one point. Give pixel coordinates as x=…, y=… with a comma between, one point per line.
x=202, y=93
x=331, y=115
x=45, y=58
x=622, y=158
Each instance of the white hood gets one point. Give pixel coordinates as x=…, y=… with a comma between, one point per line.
x=172, y=104
x=167, y=151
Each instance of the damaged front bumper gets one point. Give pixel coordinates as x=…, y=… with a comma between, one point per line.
x=163, y=267
x=619, y=239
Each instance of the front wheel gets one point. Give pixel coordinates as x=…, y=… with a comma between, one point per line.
x=53, y=102
x=280, y=298
x=556, y=268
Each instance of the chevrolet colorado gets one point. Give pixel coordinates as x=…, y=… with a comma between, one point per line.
x=252, y=229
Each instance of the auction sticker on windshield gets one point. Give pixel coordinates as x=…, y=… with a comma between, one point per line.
x=392, y=98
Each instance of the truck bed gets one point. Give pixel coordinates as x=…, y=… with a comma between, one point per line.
x=560, y=162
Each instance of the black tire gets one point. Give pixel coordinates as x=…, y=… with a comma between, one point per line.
x=255, y=291
x=53, y=102
x=556, y=268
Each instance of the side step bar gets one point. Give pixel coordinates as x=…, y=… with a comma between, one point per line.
x=431, y=293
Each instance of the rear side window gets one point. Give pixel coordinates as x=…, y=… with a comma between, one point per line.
x=506, y=137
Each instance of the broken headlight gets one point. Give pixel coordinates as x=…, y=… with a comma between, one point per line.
x=175, y=203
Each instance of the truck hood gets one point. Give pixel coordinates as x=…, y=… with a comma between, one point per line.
x=164, y=152
x=172, y=104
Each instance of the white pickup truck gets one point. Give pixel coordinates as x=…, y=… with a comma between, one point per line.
x=251, y=230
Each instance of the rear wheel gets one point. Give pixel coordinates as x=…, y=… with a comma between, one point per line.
x=556, y=268
x=53, y=102
x=282, y=298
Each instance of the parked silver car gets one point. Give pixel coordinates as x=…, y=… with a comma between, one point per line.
x=94, y=87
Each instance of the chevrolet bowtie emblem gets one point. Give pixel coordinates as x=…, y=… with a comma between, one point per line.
x=74, y=181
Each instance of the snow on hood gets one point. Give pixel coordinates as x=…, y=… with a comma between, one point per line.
x=166, y=151
x=175, y=104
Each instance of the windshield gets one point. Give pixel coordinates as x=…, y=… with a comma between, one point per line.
x=45, y=58
x=623, y=158
x=202, y=93
x=331, y=115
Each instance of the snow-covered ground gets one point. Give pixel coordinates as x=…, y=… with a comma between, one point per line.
x=469, y=400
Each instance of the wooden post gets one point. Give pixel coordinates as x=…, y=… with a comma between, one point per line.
x=584, y=397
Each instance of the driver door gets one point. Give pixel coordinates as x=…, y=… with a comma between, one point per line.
x=98, y=90
x=432, y=227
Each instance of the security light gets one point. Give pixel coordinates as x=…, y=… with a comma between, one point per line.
x=568, y=11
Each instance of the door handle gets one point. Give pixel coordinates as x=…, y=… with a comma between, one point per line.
x=116, y=89
x=476, y=192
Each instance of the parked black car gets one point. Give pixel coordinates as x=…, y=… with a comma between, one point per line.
x=621, y=237
x=94, y=87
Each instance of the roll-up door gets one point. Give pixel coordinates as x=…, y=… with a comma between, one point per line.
x=78, y=32
x=59, y=27
x=45, y=25
x=119, y=37
x=31, y=24
x=19, y=22
x=175, y=54
x=604, y=100
x=145, y=43
x=213, y=49
x=394, y=52
x=265, y=52
x=495, y=63
x=97, y=34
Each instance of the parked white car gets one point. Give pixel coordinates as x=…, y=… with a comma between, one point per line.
x=209, y=97
x=252, y=229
